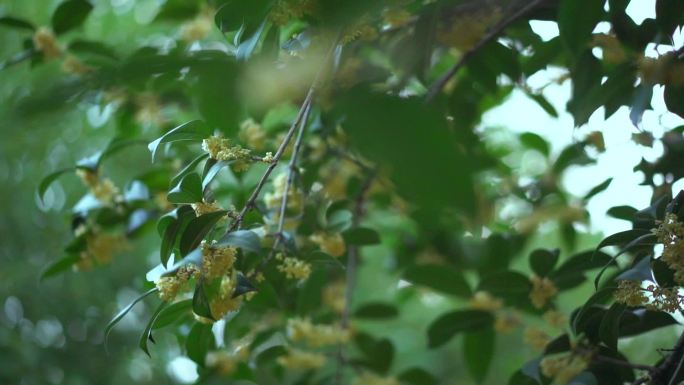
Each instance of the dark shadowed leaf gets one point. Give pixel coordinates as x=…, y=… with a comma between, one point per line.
x=245, y=239
x=200, y=302
x=576, y=21
x=376, y=310
x=417, y=376
x=197, y=229
x=69, y=15
x=478, y=351
x=13, y=22
x=597, y=189
x=188, y=190
x=172, y=313
x=610, y=325
x=543, y=261
x=361, y=236
x=444, y=279
x=511, y=286
x=448, y=325
x=59, y=266
x=200, y=340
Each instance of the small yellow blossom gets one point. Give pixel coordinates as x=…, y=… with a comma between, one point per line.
x=149, y=110
x=45, y=42
x=563, y=368
x=252, y=135
x=536, y=338
x=268, y=158
x=555, y=318
x=482, y=300
x=204, y=207
x=367, y=378
x=316, y=335
x=670, y=233
x=74, y=66
x=330, y=243
x=197, y=29
x=334, y=296
x=216, y=260
x=222, y=361
x=101, y=247
x=294, y=268
x=542, y=291
x=224, y=301
x=106, y=192
x=221, y=149
x=299, y=359
x=506, y=321
x=169, y=286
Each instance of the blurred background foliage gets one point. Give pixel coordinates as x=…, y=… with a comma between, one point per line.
x=457, y=196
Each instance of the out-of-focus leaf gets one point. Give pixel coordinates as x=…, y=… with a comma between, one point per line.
x=361, y=236
x=200, y=340
x=543, y=261
x=443, y=279
x=244, y=239
x=478, y=351
x=639, y=321
x=622, y=212
x=417, y=376
x=448, y=325
x=610, y=325
x=59, y=266
x=47, y=181
x=674, y=98
x=511, y=286
x=69, y=15
x=576, y=21
x=13, y=22
x=597, y=189
x=535, y=142
x=544, y=104
x=376, y=310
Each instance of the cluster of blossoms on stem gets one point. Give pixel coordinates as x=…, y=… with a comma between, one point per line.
x=100, y=247
x=367, y=378
x=671, y=234
x=285, y=10
x=170, y=286
x=536, y=338
x=225, y=301
x=330, y=243
x=103, y=190
x=216, y=260
x=564, y=367
x=45, y=42
x=225, y=362
x=314, y=335
x=631, y=293
x=543, y=289
x=204, y=207
x=301, y=359
x=334, y=295
x=293, y=268
x=253, y=135
x=274, y=199
x=220, y=148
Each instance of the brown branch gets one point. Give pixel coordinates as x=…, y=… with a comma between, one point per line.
x=623, y=363
x=437, y=86
x=667, y=371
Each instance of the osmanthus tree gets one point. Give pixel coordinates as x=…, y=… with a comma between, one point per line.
x=289, y=138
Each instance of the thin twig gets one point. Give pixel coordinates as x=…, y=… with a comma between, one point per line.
x=623, y=363
x=352, y=263
x=437, y=86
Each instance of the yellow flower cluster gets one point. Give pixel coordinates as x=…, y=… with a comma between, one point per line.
x=216, y=260
x=45, y=42
x=224, y=301
x=222, y=361
x=613, y=52
x=542, y=291
x=74, y=66
x=274, y=199
x=665, y=299
x=630, y=293
x=396, y=17
x=204, y=207
x=482, y=300
x=103, y=189
x=464, y=31
x=536, y=338
x=665, y=70
x=563, y=368
x=300, y=359
x=363, y=31
x=671, y=234
x=335, y=177
x=285, y=10
x=197, y=28
x=506, y=321
x=221, y=149
x=294, y=268
x=367, y=378
x=149, y=109
x=330, y=243
x=169, y=286
x=316, y=335
x=252, y=135
x=555, y=318
x=334, y=295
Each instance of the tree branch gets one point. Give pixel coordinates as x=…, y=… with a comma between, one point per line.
x=437, y=86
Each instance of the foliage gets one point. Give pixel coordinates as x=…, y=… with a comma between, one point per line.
x=294, y=141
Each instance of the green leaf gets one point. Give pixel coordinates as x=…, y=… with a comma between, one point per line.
x=511, y=286
x=339, y=221
x=379, y=354
x=597, y=189
x=190, y=167
x=200, y=340
x=14, y=22
x=478, y=351
x=448, y=325
x=535, y=142
x=195, y=130
x=543, y=261
x=443, y=279
x=200, y=302
x=119, y=316
x=639, y=321
x=59, y=266
x=69, y=15
x=270, y=355
x=417, y=376
x=172, y=313
x=310, y=292
x=576, y=21
x=197, y=229
x=646, y=239
x=92, y=49
x=674, y=98
x=574, y=154
x=622, y=212
x=189, y=190
x=610, y=325
x=246, y=47
x=426, y=165
x=544, y=104
x=210, y=173
x=170, y=226
x=47, y=181
x=147, y=333
x=245, y=239
x=361, y=236
x=580, y=317
x=376, y=310
x=319, y=258
x=245, y=16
